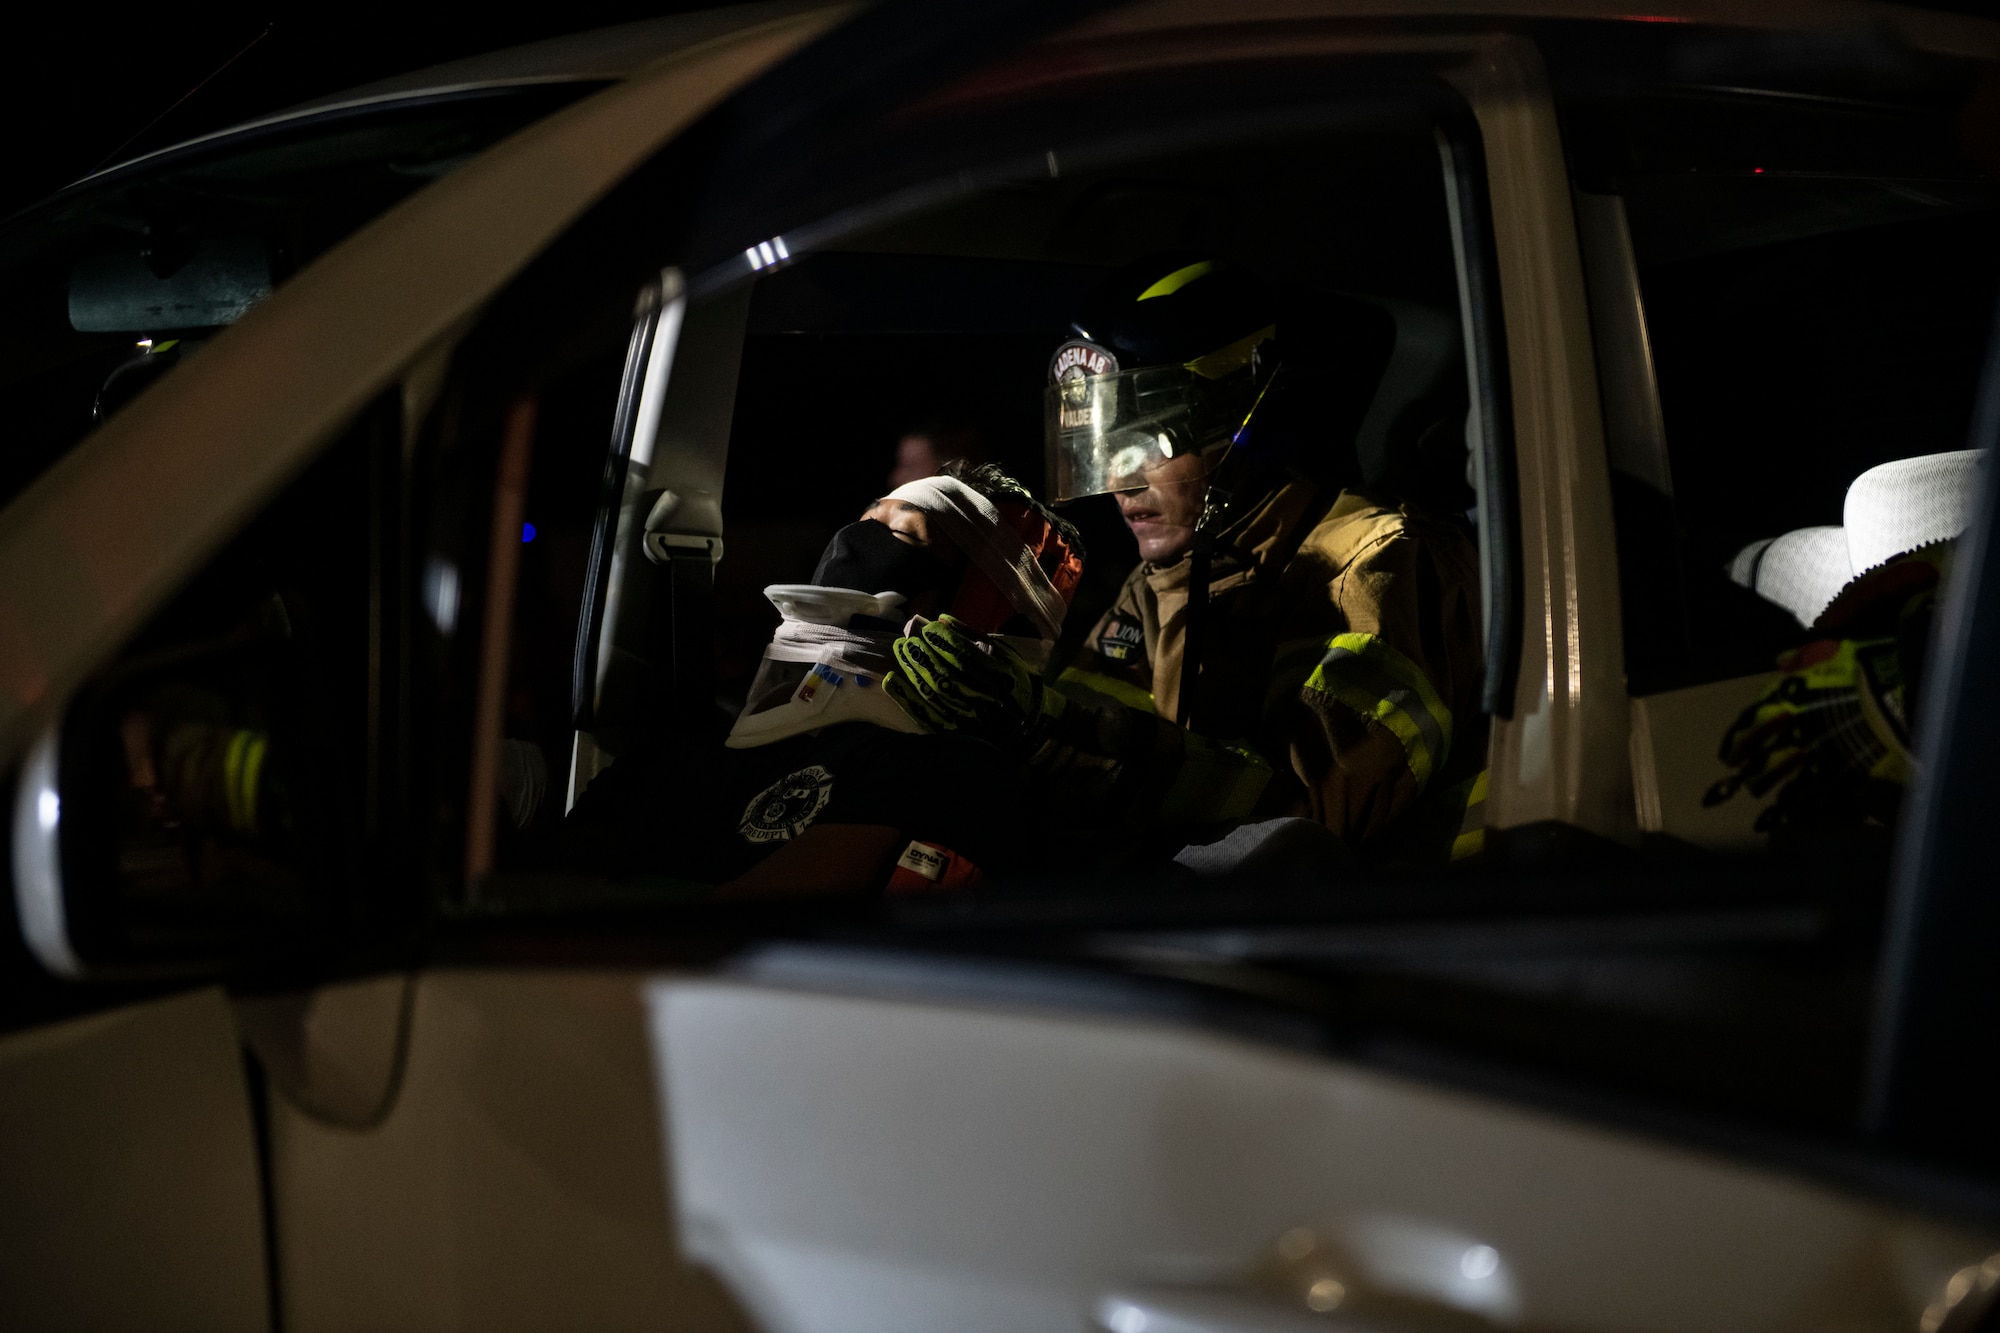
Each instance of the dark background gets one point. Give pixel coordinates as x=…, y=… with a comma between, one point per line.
x=81, y=85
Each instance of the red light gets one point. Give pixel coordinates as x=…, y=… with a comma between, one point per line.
x=1756, y=171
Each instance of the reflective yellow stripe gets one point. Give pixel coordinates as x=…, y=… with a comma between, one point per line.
x=242, y=767
x=1118, y=691
x=1216, y=783
x=1471, y=839
x=1384, y=686
x=1178, y=279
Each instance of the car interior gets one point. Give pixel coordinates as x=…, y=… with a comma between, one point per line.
x=1817, y=285
x=933, y=331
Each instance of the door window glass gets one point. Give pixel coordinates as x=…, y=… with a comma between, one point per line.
x=116, y=280
x=1818, y=285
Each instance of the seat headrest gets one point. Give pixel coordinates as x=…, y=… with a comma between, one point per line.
x=1890, y=510
x=1800, y=571
x=1912, y=502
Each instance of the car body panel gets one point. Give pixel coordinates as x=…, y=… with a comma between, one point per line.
x=877, y=1162
x=517, y=1181
x=139, y=1205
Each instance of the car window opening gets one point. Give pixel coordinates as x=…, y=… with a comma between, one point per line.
x=927, y=341
x=1116, y=557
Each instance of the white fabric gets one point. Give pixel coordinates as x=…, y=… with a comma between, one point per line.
x=849, y=660
x=973, y=523
x=1911, y=502
x=1800, y=571
x=1890, y=510
x=799, y=641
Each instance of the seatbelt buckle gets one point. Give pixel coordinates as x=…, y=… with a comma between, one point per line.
x=665, y=547
x=684, y=527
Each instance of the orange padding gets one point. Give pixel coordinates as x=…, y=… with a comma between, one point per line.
x=981, y=604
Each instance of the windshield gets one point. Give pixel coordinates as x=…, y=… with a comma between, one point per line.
x=110, y=283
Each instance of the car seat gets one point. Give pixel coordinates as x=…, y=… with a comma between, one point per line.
x=1412, y=443
x=1890, y=510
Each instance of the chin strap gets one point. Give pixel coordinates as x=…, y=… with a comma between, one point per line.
x=1215, y=506
x=1194, y=640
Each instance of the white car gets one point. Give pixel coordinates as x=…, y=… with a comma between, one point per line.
x=421, y=464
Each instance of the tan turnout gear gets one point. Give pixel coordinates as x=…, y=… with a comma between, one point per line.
x=1343, y=646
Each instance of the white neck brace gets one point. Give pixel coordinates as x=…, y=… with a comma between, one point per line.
x=847, y=660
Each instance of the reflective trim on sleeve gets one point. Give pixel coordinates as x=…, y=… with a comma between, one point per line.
x=1376, y=681
x=242, y=769
x=1075, y=679
x=1471, y=839
x=1216, y=783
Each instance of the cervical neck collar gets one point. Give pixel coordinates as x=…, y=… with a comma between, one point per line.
x=832, y=648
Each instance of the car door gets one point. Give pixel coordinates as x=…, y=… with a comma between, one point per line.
x=137, y=1159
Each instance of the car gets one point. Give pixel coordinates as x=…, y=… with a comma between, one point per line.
x=466, y=493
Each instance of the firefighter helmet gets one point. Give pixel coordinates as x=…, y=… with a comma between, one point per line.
x=1172, y=356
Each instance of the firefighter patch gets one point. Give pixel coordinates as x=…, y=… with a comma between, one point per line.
x=1122, y=639
x=782, y=810
x=1077, y=358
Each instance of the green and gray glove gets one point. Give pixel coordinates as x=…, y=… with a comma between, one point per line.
x=951, y=679
x=1832, y=728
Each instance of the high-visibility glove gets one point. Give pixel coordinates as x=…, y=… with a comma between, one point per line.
x=1832, y=727
x=951, y=679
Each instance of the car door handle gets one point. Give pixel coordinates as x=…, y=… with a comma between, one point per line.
x=1213, y=1310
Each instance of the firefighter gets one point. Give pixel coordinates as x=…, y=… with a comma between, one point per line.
x=1318, y=647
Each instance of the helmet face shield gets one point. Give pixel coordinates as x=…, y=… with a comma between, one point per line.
x=1109, y=432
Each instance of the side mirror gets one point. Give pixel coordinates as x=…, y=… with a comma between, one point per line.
x=175, y=820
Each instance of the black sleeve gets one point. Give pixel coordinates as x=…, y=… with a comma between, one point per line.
x=950, y=790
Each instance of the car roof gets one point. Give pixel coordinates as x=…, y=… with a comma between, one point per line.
x=612, y=53
x=601, y=55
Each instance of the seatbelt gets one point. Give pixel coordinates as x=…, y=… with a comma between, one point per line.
x=655, y=647
x=1214, y=512
x=1194, y=638
x=688, y=559
x=687, y=430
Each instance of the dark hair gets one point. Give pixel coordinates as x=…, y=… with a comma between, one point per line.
x=991, y=481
